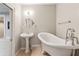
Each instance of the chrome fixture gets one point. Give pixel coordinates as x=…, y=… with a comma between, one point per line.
x=70, y=36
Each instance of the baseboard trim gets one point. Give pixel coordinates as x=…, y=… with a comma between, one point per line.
x=22, y=48
x=33, y=46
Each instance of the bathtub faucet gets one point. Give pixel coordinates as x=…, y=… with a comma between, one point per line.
x=70, y=36
x=67, y=35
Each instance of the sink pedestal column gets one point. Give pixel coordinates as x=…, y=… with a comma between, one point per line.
x=28, y=49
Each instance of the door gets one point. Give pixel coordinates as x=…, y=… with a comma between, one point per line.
x=5, y=31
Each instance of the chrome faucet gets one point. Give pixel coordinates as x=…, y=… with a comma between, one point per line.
x=67, y=37
x=71, y=36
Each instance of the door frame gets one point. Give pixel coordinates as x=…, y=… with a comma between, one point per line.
x=9, y=5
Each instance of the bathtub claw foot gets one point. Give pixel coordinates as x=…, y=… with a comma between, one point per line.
x=45, y=53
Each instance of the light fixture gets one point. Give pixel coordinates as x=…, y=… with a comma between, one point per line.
x=28, y=13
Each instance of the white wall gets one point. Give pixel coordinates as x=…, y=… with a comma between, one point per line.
x=44, y=17
x=65, y=12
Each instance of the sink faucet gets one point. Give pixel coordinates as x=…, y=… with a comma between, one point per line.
x=71, y=36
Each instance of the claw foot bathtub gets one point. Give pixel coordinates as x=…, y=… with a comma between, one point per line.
x=54, y=45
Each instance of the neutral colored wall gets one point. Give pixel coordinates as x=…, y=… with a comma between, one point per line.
x=17, y=24
x=67, y=12
x=44, y=17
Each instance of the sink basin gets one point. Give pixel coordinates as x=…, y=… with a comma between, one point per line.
x=26, y=35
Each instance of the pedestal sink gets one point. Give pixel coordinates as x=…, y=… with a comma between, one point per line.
x=27, y=37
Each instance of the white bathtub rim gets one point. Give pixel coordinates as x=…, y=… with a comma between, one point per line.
x=54, y=45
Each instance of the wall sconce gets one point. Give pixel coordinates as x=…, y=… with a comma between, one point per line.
x=28, y=13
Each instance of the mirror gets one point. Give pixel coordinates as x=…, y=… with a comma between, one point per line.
x=1, y=26
x=5, y=20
